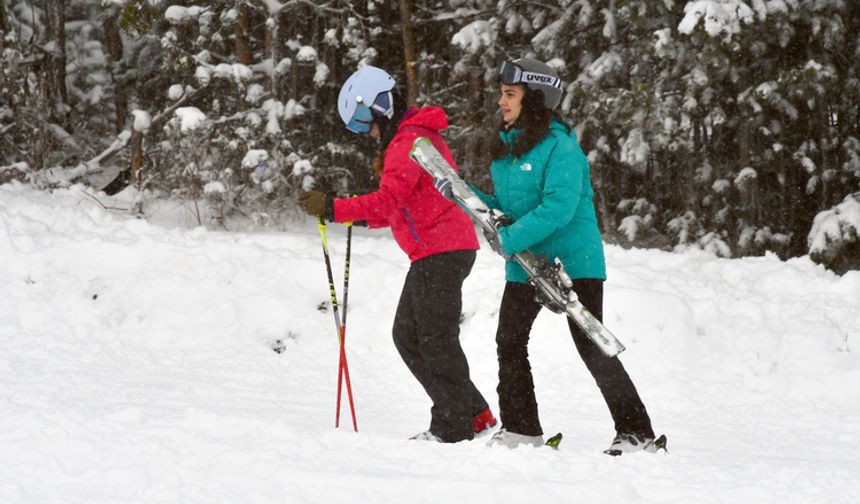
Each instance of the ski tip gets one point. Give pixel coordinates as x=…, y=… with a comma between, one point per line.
x=554, y=441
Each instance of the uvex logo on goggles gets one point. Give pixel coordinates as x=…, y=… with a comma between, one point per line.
x=510, y=73
x=540, y=78
x=533, y=77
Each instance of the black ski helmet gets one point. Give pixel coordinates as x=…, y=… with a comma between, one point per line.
x=534, y=74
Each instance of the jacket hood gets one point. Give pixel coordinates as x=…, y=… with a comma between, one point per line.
x=559, y=127
x=428, y=117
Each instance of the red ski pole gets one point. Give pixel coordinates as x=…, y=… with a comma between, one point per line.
x=343, y=368
x=343, y=371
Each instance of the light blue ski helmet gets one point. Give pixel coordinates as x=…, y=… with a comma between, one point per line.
x=365, y=94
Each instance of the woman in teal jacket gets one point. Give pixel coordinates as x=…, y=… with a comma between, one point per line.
x=541, y=181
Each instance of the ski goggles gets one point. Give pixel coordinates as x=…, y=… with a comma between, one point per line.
x=362, y=119
x=510, y=74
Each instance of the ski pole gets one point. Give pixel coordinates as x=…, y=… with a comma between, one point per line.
x=342, y=363
x=343, y=368
x=340, y=374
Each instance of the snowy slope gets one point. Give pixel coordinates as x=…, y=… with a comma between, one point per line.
x=136, y=367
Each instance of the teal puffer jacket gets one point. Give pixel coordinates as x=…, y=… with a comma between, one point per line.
x=548, y=194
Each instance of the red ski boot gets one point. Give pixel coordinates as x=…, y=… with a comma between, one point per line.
x=483, y=421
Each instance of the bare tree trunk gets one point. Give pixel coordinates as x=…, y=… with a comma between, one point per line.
x=115, y=52
x=4, y=25
x=475, y=141
x=137, y=169
x=825, y=132
x=47, y=76
x=61, y=56
x=409, y=58
x=137, y=158
x=54, y=90
x=243, y=47
x=316, y=35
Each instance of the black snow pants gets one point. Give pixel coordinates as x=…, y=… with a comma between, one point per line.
x=517, y=404
x=427, y=335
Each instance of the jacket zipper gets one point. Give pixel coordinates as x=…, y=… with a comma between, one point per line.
x=411, y=224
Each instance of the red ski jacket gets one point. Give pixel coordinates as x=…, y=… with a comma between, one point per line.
x=422, y=221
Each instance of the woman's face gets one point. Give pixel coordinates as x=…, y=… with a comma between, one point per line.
x=511, y=102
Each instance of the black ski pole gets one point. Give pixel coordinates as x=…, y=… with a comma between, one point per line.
x=343, y=368
x=340, y=374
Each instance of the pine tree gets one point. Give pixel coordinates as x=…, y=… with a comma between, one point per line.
x=726, y=125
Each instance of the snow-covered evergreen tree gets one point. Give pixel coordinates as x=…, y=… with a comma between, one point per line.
x=835, y=236
x=720, y=124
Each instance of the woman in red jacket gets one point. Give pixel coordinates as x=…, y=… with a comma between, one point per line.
x=437, y=236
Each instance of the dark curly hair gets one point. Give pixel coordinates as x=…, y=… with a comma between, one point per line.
x=534, y=121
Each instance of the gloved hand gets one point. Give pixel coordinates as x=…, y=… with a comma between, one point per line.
x=494, y=239
x=495, y=242
x=444, y=187
x=314, y=203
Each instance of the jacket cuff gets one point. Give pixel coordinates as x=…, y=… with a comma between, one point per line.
x=504, y=238
x=329, y=209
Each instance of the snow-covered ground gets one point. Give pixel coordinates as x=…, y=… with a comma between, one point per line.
x=136, y=367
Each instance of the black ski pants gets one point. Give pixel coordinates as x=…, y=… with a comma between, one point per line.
x=517, y=404
x=427, y=335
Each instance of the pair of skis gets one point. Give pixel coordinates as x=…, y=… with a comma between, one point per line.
x=342, y=368
x=553, y=285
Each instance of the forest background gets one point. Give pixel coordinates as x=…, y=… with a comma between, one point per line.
x=727, y=125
